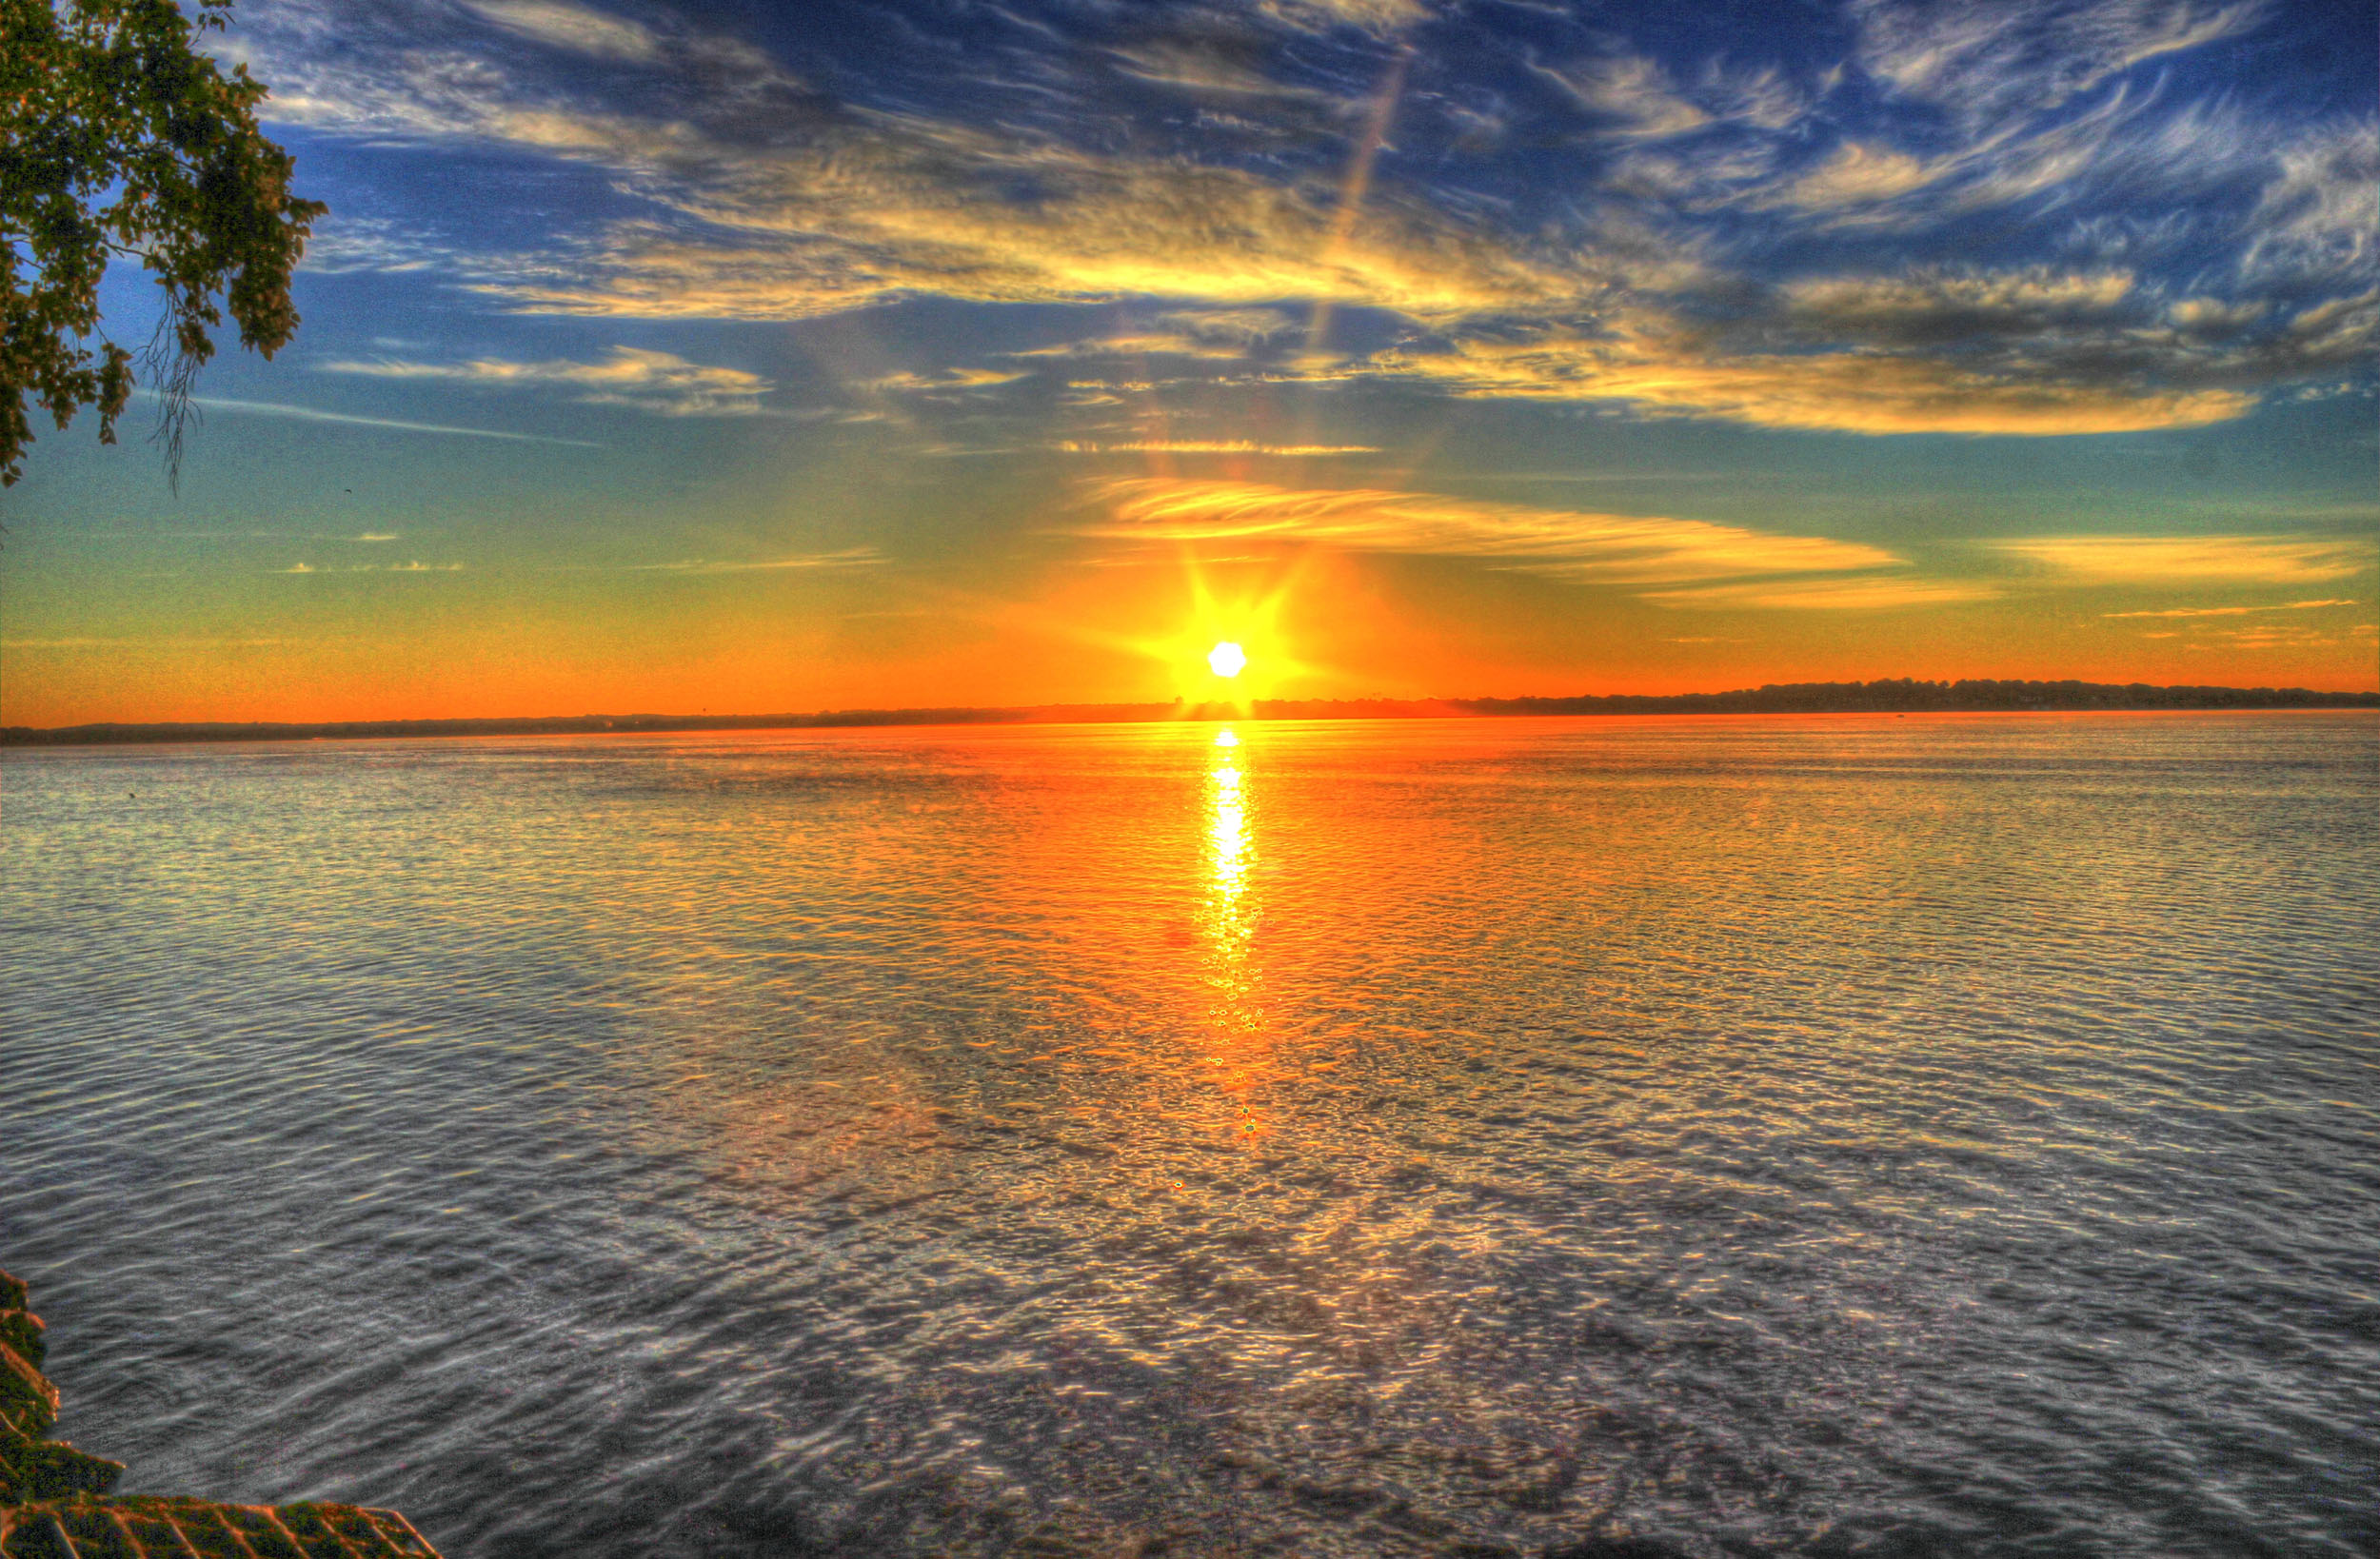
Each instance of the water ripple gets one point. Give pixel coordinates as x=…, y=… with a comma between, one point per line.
x=1725, y=1137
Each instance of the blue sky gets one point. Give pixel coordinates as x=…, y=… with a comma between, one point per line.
x=777, y=356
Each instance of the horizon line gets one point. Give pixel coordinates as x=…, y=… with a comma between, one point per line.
x=1883, y=695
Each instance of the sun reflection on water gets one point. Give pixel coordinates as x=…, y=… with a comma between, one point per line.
x=1228, y=919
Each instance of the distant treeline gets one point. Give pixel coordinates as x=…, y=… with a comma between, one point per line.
x=1897, y=696
x=1906, y=695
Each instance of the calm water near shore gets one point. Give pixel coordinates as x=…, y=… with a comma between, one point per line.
x=1910, y=1136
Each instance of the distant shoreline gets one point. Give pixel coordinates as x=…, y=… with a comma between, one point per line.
x=1902, y=696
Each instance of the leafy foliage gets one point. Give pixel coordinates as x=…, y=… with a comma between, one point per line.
x=119, y=140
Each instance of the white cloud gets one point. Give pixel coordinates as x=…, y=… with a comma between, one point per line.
x=1987, y=58
x=308, y=414
x=2321, y=215
x=647, y=381
x=1634, y=92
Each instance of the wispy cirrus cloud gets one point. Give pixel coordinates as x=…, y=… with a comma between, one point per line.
x=1372, y=15
x=2321, y=216
x=913, y=210
x=581, y=30
x=1865, y=594
x=311, y=414
x=2234, y=611
x=769, y=199
x=1633, y=93
x=1859, y=391
x=2161, y=560
x=1984, y=59
x=411, y=566
x=1208, y=446
x=647, y=381
x=945, y=383
x=1609, y=547
x=856, y=557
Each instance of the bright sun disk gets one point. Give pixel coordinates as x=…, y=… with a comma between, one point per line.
x=1227, y=658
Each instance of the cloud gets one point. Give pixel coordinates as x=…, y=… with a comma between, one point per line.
x=1217, y=334
x=943, y=384
x=911, y=208
x=1874, y=392
x=1634, y=92
x=577, y=28
x=342, y=244
x=1612, y=547
x=1984, y=60
x=2136, y=153
x=1938, y=307
x=2233, y=611
x=1870, y=594
x=1140, y=343
x=655, y=382
x=1854, y=175
x=308, y=414
x=2162, y=560
x=1210, y=446
x=1629, y=271
x=1370, y=15
x=2320, y=215
x=856, y=557
x=1208, y=69
x=415, y=567
x=776, y=203
x=1238, y=326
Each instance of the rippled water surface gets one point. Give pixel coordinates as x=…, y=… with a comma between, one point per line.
x=1822, y=1136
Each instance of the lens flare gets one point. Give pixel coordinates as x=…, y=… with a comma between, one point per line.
x=1227, y=660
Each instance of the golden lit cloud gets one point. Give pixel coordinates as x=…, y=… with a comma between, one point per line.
x=1614, y=547
x=856, y=557
x=904, y=209
x=2232, y=611
x=2159, y=559
x=1210, y=446
x=947, y=382
x=1842, y=391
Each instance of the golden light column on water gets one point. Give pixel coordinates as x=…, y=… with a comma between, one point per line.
x=1229, y=922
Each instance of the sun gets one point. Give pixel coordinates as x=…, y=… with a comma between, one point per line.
x=1227, y=660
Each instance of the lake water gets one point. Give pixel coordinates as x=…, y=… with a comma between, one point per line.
x=1820, y=1135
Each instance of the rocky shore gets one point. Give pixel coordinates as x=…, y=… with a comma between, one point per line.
x=54, y=1500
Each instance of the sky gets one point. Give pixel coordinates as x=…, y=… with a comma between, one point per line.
x=745, y=357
